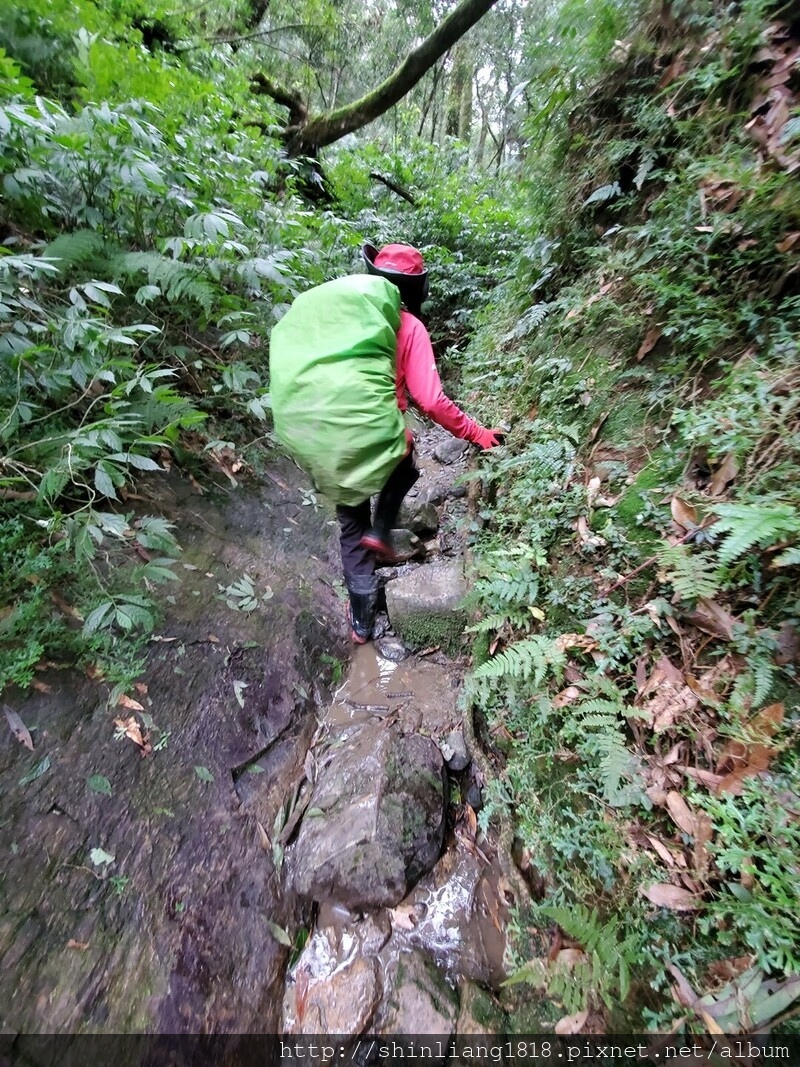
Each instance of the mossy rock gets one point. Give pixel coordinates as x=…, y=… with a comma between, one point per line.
x=426, y=606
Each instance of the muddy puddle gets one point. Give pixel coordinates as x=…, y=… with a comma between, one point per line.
x=412, y=691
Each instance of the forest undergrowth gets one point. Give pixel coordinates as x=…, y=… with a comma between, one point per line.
x=637, y=570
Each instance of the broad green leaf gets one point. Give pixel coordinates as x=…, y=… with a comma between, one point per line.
x=103, y=483
x=98, y=783
x=41, y=768
x=95, y=619
x=203, y=773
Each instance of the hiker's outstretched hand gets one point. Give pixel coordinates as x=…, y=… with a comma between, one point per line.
x=491, y=438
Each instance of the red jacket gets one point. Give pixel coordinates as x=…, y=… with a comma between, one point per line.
x=416, y=375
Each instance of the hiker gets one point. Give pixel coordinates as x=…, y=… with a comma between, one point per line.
x=344, y=361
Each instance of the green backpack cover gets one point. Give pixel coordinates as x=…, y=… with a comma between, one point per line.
x=332, y=385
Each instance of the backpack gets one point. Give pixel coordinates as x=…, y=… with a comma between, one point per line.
x=332, y=385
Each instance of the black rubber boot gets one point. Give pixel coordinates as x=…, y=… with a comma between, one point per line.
x=363, y=607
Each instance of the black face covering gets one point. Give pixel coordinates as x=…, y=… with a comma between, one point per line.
x=413, y=287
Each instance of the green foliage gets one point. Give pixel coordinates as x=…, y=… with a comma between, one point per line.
x=756, y=848
x=645, y=349
x=753, y=525
x=531, y=659
x=602, y=974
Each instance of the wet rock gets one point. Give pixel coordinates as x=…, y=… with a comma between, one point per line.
x=457, y=492
x=419, y=516
x=328, y=994
x=434, y=494
x=460, y=916
x=391, y=648
x=406, y=545
x=480, y=1013
x=474, y=796
x=450, y=451
x=381, y=801
x=425, y=605
x=455, y=752
x=417, y=998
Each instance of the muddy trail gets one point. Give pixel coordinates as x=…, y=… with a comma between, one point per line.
x=272, y=834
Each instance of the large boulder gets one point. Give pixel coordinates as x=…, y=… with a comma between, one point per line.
x=375, y=822
x=425, y=605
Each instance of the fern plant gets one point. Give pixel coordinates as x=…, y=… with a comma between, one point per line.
x=532, y=660
x=596, y=727
x=602, y=976
x=691, y=575
x=754, y=526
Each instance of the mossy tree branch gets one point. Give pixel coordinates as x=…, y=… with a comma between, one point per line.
x=305, y=136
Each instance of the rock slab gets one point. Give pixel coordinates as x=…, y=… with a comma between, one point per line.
x=425, y=605
x=375, y=822
x=450, y=450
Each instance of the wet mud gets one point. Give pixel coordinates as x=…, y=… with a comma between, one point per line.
x=170, y=934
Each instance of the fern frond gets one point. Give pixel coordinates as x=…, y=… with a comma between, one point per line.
x=754, y=525
x=602, y=736
x=177, y=280
x=605, y=192
x=495, y=621
x=690, y=575
x=533, y=318
x=76, y=247
x=528, y=659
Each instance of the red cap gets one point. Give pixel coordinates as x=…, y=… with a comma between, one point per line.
x=400, y=258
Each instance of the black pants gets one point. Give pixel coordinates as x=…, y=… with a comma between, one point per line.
x=354, y=522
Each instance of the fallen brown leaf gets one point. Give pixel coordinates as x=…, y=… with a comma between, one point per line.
x=567, y=696
x=571, y=1024
x=789, y=241
x=683, y=992
x=706, y=778
x=727, y=970
x=650, y=341
x=704, y=832
x=585, y=534
x=684, y=514
x=582, y=641
x=18, y=728
x=713, y=619
x=742, y=759
x=680, y=813
x=133, y=731
x=263, y=837
x=666, y=895
x=129, y=703
x=663, y=851
x=723, y=475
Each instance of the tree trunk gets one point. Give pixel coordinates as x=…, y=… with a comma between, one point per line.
x=306, y=137
x=465, y=111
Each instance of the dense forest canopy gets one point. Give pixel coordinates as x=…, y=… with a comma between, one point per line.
x=606, y=194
